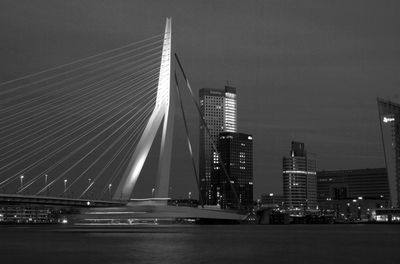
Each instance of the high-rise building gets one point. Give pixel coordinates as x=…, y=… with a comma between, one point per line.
x=219, y=110
x=389, y=120
x=236, y=153
x=299, y=178
x=352, y=184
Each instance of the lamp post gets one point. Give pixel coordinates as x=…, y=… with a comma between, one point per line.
x=45, y=184
x=65, y=185
x=348, y=210
x=22, y=180
x=109, y=190
x=152, y=192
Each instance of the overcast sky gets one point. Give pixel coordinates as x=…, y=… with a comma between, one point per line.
x=308, y=71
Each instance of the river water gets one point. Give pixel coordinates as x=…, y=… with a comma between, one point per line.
x=202, y=244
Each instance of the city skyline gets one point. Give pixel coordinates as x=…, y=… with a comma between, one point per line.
x=315, y=78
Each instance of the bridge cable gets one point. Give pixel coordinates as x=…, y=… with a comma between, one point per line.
x=76, y=139
x=76, y=77
x=52, y=128
x=47, y=171
x=136, y=131
x=97, y=84
x=121, y=165
x=48, y=143
x=78, y=114
x=51, y=168
x=204, y=123
x=114, y=131
x=72, y=142
x=77, y=110
x=188, y=140
x=78, y=61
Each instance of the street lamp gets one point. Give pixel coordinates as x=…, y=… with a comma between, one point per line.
x=22, y=180
x=109, y=190
x=45, y=184
x=65, y=185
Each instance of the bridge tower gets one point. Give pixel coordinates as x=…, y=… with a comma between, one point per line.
x=163, y=111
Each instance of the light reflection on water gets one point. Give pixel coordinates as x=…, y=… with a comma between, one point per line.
x=202, y=244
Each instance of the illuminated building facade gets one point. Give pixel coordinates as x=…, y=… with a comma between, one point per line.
x=219, y=110
x=389, y=120
x=299, y=178
x=236, y=152
x=351, y=184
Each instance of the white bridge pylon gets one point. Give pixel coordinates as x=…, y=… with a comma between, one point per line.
x=163, y=110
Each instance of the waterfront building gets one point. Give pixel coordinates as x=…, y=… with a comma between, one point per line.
x=386, y=215
x=13, y=214
x=352, y=209
x=219, y=110
x=272, y=199
x=236, y=152
x=351, y=184
x=299, y=178
x=389, y=120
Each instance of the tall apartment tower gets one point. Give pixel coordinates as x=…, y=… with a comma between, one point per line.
x=389, y=120
x=299, y=178
x=219, y=110
x=236, y=152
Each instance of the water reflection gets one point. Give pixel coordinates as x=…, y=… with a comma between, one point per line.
x=202, y=244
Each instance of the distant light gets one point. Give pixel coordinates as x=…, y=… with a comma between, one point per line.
x=360, y=198
x=388, y=119
x=354, y=200
x=271, y=194
x=300, y=172
x=87, y=203
x=64, y=221
x=249, y=137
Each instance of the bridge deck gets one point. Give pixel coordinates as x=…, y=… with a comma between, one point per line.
x=15, y=199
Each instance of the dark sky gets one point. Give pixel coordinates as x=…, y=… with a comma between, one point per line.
x=305, y=70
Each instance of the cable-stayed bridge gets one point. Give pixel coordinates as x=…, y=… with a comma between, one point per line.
x=80, y=133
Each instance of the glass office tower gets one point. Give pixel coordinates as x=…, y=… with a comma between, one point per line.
x=299, y=178
x=236, y=151
x=389, y=120
x=219, y=110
